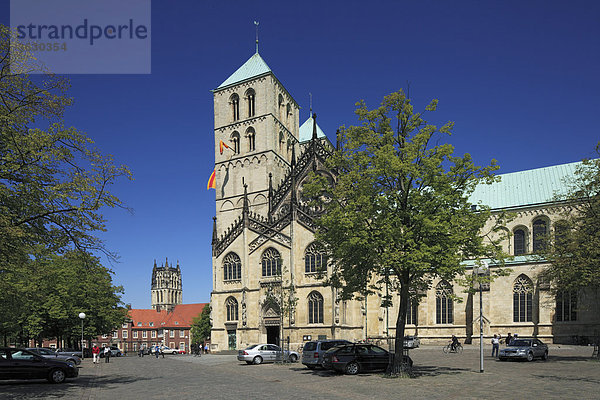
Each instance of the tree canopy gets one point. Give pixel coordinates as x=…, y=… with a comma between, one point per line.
x=201, y=326
x=575, y=247
x=53, y=186
x=399, y=212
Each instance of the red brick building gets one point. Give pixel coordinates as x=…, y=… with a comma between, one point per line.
x=150, y=327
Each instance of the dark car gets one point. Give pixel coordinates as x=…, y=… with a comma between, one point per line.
x=23, y=364
x=526, y=349
x=50, y=353
x=312, y=353
x=355, y=358
x=68, y=352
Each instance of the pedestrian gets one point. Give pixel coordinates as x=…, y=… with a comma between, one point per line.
x=107, y=354
x=162, y=350
x=141, y=352
x=156, y=351
x=495, y=345
x=206, y=348
x=508, y=339
x=95, y=353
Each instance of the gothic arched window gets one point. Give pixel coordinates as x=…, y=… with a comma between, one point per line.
x=271, y=262
x=232, y=267
x=281, y=107
x=566, y=306
x=235, y=139
x=315, y=308
x=522, y=299
x=519, y=241
x=315, y=259
x=444, y=306
x=539, y=234
x=235, y=106
x=232, y=309
x=250, y=96
x=251, y=134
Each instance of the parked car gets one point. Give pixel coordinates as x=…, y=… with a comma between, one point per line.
x=22, y=364
x=181, y=352
x=114, y=352
x=49, y=353
x=68, y=352
x=312, y=353
x=355, y=358
x=526, y=349
x=259, y=353
x=411, y=342
x=168, y=350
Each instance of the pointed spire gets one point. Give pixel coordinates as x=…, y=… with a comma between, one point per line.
x=154, y=264
x=214, y=237
x=178, y=265
x=166, y=262
x=246, y=205
x=314, y=135
x=256, y=23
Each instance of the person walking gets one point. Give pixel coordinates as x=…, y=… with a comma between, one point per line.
x=495, y=345
x=162, y=350
x=107, y=354
x=141, y=352
x=156, y=351
x=508, y=339
x=95, y=353
x=206, y=348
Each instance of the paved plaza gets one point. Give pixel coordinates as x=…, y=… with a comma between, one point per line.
x=568, y=374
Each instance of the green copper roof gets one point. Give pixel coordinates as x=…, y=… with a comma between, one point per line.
x=306, y=130
x=523, y=188
x=255, y=66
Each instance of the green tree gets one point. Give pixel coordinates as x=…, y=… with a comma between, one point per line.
x=398, y=214
x=574, y=249
x=201, y=326
x=53, y=182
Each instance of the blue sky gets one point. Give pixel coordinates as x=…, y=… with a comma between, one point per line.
x=520, y=79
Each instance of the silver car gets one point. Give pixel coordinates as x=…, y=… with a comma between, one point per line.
x=49, y=353
x=259, y=353
x=526, y=349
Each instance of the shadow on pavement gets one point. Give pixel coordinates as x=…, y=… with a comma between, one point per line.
x=568, y=378
x=42, y=389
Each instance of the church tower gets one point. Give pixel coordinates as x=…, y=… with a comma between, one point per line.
x=166, y=286
x=255, y=132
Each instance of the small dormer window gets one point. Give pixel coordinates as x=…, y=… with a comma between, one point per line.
x=151, y=323
x=176, y=323
x=139, y=324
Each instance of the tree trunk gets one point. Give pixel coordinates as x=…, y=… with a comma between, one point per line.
x=400, y=365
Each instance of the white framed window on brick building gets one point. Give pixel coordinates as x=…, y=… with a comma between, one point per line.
x=124, y=334
x=182, y=333
x=135, y=334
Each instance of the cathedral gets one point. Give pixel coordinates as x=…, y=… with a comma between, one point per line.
x=263, y=241
x=166, y=290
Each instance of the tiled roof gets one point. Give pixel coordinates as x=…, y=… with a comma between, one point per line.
x=182, y=316
x=306, y=131
x=255, y=66
x=524, y=188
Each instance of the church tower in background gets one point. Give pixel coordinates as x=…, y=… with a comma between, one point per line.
x=166, y=286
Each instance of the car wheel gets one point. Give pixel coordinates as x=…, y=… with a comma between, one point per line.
x=57, y=375
x=352, y=368
x=119, y=354
x=545, y=356
x=174, y=352
x=257, y=360
x=72, y=361
x=530, y=356
x=293, y=358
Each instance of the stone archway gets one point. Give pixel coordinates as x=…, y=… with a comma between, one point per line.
x=271, y=321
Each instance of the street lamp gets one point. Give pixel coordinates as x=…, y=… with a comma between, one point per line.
x=481, y=271
x=82, y=316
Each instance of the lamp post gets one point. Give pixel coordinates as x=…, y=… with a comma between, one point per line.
x=481, y=271
x=82, y=316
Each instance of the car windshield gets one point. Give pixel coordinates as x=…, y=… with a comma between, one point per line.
x=521, y=343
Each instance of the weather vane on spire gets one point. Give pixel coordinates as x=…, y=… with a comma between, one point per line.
x=256, y=23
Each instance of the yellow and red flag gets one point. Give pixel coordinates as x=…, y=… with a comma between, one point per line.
x=211, y=181
x=221, y=145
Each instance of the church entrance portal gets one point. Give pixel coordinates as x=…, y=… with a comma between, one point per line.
x=273, y=335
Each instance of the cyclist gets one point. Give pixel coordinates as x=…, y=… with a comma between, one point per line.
x=455, y=343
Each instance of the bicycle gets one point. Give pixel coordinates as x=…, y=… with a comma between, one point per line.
x=448, y=348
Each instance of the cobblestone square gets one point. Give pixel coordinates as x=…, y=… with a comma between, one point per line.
x=569, y=373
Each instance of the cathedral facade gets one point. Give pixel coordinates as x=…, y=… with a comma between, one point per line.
x=266, y=285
